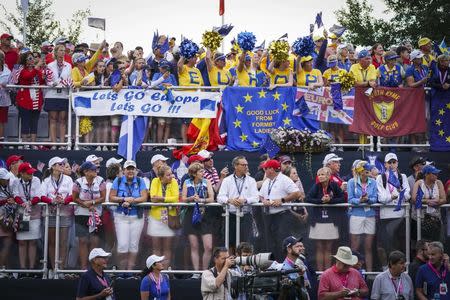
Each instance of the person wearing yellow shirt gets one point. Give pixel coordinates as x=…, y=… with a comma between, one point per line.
x=81, y=67
x=306, y=75
x=163, y=189
x=188, y=75
x=332, y=73
x=280, y=74
x=425, y=46
x=364, y=71
x=232, y=59
x=365, y=75
x=218, y=75
x=246, y=73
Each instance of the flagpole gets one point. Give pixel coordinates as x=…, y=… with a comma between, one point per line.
x=223, y=42
x=130, y=137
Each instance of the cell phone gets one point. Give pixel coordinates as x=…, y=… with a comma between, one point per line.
x=352, y=292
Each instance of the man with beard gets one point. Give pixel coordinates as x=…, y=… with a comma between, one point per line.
x=420, y=259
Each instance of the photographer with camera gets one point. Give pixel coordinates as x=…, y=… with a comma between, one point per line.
x=216, y=282
x=238, y=271
x=341, y=281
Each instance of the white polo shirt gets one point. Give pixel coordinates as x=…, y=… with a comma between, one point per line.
x=235, y=187
x=280, y=187
x=63, y=188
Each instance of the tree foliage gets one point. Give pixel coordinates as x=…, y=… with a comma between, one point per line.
x=41, y=23
x=410, y=20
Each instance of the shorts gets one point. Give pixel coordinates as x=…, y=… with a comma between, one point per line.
x=82, y=229
x=158, y=228
x=4, y=114
x=56, y=104
x=324, y=231
x=33, y=234
x=128, y=232
x=29, y=120
x=362, y=225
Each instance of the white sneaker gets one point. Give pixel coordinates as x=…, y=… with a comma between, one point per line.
x=50, y=274
x=98, y=148
x=105, y=148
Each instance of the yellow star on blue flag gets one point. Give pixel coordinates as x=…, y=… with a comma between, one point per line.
x=248, y=98
x=255, y=144
x=239, y=108
x=276, y=96
x=441, y=112
x=284, y=106
x=438, y=122
x=441, y=132
x=262, y=93
x=243, y=137
x=286, y=121
x=237, y=123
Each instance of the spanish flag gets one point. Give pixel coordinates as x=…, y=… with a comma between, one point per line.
x=204, y=133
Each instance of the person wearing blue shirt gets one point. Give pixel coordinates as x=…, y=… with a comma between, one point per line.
x=417, y=73
x=128, y=191
x=391, y=73
x=433, y=278
x=343, y=60
x=154, y=284
x=362, y=190
x=94, y=283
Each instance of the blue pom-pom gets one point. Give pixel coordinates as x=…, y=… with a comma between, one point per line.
x=246, y=40
x=188, y=49
x=303, y=46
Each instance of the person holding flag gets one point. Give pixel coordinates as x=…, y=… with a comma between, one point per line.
x=245, y=71
x=429, y=191
x=218, y=75
x=393, y=188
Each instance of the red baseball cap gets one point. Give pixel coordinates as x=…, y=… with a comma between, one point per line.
x=12, y=159
x=6, y=36
x=271, y=163
x=194, y=158
x=27, y=168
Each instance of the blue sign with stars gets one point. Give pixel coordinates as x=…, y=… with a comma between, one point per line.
x=440, y=120
x=251, y=113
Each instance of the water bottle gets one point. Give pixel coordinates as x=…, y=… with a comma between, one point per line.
x=436, y=296
x=164, y=216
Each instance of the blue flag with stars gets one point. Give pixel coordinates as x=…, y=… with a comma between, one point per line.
x=440, y=120
x=251, y=113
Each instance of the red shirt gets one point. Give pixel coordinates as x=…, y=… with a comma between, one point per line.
x=24, y=99
x=377, y=63
x=333, y=281
x=11, y=57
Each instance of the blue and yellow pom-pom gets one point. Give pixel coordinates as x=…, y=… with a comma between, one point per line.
x=188, y=49
x=303, y=46
x=246, y=41
x=85, y=125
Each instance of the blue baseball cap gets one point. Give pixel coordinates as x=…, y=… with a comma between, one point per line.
x=430, y=169
x=87, y=165
x=79, y=57
x=363, y=54
x=248, y=58
x=290, y=241
x=164, y=64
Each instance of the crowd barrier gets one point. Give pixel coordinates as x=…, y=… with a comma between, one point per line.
x=253, y=233
x=72, y=140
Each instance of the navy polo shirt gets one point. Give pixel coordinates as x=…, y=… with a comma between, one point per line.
x=426, y=274
x=128, y=190
x=90, y=284
x=418, y=75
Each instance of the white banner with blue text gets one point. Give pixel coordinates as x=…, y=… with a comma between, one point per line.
x=140, y=102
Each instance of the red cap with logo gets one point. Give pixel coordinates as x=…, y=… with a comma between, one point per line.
x=12, y=159
x=26, y=167
x=6, y=36
x=271, y=163
x=194, y=158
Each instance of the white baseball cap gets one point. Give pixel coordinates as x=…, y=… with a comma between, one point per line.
x=5, y=174
x=205, y=154
x=129, y=163
x=153, y=259
x=157, y=157
x=390, y=156
x=113, y=160
x=416, y=54
x=94, y=158
x=331, y=157
x=56, y=160
x=98, y=252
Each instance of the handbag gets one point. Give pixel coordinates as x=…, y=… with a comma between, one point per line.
x=197, y=215
x=174, y=221
x=431, y=227
x=23, y=222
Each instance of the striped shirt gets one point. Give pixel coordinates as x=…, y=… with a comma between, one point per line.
x=212, y=176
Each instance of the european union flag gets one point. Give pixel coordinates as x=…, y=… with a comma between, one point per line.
x=401, y=196
x=440, y=120
x=319, y=22
x=336, y=94
x=393, y=180
x=252, y=113
x=84, y=102
x=270, y=147
x=419, y=197
x=301, y=107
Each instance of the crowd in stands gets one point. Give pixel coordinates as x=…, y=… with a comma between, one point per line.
x=61, y=64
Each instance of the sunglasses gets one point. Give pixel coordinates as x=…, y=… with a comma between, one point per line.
x=391, y=162
x=31, y=58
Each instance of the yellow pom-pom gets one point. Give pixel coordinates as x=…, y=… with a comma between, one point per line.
x=279, y=50
x=211, y=40
x=85, y=125
x=347, y=81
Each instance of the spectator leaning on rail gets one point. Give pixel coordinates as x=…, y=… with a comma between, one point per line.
x=7, y=215
x=5, y=99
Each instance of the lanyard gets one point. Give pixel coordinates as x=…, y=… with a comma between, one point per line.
x=163, y=189
x=430, y=191
x=158, y=284
x=26, y=189
x=60, y=69
x=271, y=183
x=198, y=188
x=5, y=191
x=442, y=275
x=129, y=189
x=421, y=72
x=103, y=281
x=56, y=184
x=442, y=78
x=364, y=187
x=241, y=186
x=364, y=75
x=399, y=288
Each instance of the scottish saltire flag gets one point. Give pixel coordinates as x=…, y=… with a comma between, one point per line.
x=98, y=23
x=319, y=22
x=321, y=105
x=338, y=30
x=374, y=160
x=440, y=120
x=419, y=197
x=131, y=136
x=393, y=180
x=252, y=113
x=401, y=196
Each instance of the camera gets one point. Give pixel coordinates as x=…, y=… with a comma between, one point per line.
x=260, y=260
